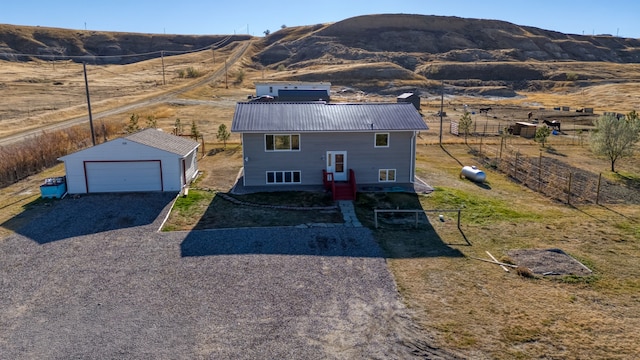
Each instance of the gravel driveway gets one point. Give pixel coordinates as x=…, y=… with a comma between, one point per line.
x=92, y=279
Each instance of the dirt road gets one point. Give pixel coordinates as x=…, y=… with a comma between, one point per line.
x=155, y=99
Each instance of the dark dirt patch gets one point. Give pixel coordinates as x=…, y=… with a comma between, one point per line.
x=549, y=262
x=223, y=213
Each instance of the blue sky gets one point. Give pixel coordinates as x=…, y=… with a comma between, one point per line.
x=615, y=17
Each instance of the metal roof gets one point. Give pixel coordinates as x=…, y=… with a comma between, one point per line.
x=320, y=116
x=163, y=141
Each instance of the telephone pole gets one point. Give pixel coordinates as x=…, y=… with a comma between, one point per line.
x=162, y=57
x=441, y=109
x=86, y=85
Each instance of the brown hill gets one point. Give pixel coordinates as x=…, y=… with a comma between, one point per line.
x=495, y=53
x=372, y=52
x=98, y=46
x=431, y=38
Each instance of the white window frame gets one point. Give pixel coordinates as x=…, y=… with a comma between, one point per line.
x=375, y=140
x=274, y=142
x=385, y=178
x=283, y=177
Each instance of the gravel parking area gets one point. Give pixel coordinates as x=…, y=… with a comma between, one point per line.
x=92, y=279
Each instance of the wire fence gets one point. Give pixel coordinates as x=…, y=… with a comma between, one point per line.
x=554, y=178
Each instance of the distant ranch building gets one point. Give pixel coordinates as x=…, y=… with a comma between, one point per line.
x=295, y=91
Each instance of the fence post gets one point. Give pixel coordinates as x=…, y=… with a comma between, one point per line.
x=515, y=167
x=569, y=190
x=480, y=152
x=598, y=189
x=540, y=172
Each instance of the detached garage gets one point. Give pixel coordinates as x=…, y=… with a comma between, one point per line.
x=149, y=160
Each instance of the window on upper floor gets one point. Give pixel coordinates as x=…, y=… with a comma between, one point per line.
x=278, y=142
x=382, y=140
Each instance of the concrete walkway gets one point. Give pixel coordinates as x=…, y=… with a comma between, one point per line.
x=349, y=213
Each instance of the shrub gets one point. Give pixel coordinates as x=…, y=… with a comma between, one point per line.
x=193, y=72
x=31, y=156
x=239, y=77
x=525, y=272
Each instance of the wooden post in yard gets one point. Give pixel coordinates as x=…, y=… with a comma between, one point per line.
x=540, y=172
x=569, y=190
x=598, y=190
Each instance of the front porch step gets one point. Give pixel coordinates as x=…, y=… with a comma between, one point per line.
x=343, y=192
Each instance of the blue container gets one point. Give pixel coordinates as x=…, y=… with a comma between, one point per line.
x=53, y=188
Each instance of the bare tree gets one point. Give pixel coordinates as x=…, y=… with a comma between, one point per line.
x=57, y=50
x=615, y=138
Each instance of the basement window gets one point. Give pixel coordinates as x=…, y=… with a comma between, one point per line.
x=283, y=177
x=387, y=175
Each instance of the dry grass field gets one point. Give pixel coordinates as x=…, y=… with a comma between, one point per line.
x=471, y=307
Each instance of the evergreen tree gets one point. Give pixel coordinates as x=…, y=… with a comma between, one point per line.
x=223, y=134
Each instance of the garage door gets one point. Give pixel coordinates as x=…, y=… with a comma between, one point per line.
x=123, y=176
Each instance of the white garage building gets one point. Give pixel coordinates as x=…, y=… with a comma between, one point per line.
x=149, y=160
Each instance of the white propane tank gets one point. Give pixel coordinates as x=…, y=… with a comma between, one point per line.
x=473, y=173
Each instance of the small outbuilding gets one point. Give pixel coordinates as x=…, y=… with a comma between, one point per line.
x=524, y=129
x=149, y=160
x=410, y=98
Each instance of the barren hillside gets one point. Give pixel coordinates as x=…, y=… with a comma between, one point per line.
x=98, y=46
x=409, y=40
x=383, y=54
x=489, y=52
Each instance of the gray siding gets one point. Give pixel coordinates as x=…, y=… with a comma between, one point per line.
x=362, y=156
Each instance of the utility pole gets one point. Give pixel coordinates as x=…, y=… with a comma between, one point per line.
x=226, y=85
x=441, y=109
x=86, y=85
x=162, y=57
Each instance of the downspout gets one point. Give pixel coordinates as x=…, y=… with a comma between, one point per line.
x=413, y=158
x=244, y=172
x=184, y=172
